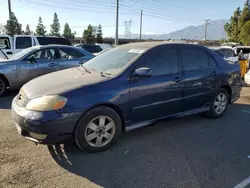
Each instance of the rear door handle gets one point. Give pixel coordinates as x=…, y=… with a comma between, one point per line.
x=214, y=73
x=177, y=79
x=52, y=64
x=9, y=53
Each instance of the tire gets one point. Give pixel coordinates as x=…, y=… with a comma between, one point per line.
x=3, y=86
x=214, y=111
x=98, y=129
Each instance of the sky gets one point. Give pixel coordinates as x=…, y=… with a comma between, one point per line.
x=159, y=16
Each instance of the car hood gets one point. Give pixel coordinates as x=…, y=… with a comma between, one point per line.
x=61, y=82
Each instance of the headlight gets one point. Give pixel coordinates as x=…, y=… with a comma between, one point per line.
x=47, y=103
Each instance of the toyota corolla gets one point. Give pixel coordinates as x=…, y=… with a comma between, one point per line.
x=127, y=87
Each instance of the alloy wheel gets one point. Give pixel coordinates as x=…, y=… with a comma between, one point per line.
x=220, y=103
x=100, y=131
x=2, y=87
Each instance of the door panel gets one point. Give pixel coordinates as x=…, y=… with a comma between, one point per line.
x=46, y=62
x=161, y=94
x=156, y=97
x=201, y=76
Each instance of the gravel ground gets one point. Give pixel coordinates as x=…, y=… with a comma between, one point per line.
x=192, y=152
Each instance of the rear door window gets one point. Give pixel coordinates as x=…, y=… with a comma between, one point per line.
x=69, y=53
x=23, y=42
x=230, y=53
x=221, y=52
x=194, y=59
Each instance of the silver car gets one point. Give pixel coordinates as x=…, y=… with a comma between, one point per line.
x=36, y=61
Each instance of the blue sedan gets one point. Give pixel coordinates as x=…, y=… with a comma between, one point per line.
x=125, y=88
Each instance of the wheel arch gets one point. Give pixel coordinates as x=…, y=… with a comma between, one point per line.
x=110, y=105
x=5, y=78
x=229, y=91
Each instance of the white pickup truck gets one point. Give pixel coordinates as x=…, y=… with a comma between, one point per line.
x=11, y=45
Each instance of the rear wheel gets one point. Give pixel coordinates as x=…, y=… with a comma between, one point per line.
x=3, y=86
x=219, y=104
x=98, y=129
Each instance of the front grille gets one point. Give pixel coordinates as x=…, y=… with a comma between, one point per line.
x=22, y=98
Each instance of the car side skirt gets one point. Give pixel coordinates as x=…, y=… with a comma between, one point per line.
x=132, y=126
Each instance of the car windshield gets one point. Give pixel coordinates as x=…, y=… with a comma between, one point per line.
x=113, y=61
x=21, y=53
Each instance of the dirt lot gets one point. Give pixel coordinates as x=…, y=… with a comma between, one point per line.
x=191, y=152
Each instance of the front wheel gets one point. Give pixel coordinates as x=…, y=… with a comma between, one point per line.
x=219, y=104
x=3, y=86
x=98, y=129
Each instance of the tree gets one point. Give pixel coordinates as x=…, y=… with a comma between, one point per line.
x=244, y=34
x=88, y=35
x=40, y=29
x=245, y=15
x=67, y=32
x=13, y=27
x=232, y=28
x=27, y=30
x=55, y=26
x=99, y=38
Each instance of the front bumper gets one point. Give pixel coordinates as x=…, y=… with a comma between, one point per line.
x=44, y=127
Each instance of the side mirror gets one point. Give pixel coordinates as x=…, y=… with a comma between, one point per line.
x=31, y=59
x=143, y=72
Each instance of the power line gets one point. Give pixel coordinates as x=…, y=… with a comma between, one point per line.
x=156, y=8
x=88, y=9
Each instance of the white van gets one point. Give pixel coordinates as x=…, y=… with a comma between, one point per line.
x=20, y=42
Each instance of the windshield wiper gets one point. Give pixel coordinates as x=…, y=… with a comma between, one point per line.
x=86, y=69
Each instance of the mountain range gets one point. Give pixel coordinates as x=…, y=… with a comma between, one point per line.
x=215, y=31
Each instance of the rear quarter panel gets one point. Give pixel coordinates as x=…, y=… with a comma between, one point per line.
x=230, y=75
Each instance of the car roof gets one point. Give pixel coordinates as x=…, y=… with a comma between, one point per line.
x=149, y=45
x=55, y=45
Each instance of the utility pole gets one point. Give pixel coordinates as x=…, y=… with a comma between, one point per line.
x=117, y=22
x=141, y=25
x=206, y=29
x=9, y=4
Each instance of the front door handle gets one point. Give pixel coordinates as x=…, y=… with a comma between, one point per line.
x=177, y=79
x=52, y=64
x=9, y=53
x=214, y=73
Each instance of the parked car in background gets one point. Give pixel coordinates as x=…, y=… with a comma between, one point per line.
x=36, y=61
x=125, y=88
x=231, y=44
x=92, y=48
x=19, y=42
x=104, y=46
x=247, y=78
x=227, y=53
